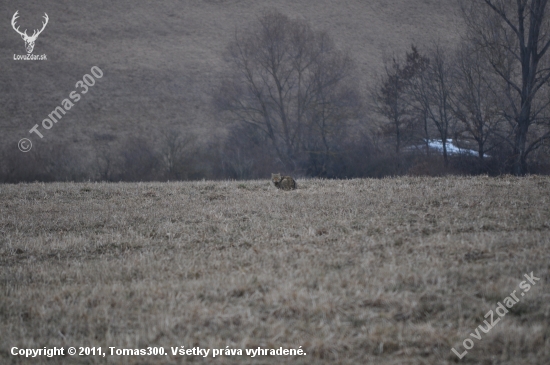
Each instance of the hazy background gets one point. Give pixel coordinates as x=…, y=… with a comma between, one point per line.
x=162, y=62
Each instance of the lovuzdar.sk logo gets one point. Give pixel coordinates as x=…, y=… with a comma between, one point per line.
x=29, y=40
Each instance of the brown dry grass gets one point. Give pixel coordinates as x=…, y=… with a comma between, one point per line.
x=393, y=271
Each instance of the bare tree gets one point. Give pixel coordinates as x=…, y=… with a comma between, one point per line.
x=291, y=84
x=334, y=104
x=173, y=147
x=475, y=101
x=514, y=36
x=242, y=156
x=392, y=99
x=432, y=92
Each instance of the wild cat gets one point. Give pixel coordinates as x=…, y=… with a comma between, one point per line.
x=283, y=182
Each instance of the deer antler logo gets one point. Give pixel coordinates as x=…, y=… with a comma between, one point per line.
x=29, y=41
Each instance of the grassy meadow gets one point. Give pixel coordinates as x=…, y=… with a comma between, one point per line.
x=391, y=271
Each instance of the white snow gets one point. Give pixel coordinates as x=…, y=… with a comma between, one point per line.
x=437, y=144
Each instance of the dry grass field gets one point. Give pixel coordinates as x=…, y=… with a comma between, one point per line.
x=392, y=271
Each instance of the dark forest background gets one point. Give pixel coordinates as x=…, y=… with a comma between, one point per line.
x=239, y=89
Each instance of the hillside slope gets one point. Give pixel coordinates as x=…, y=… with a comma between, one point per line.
x=161, y=60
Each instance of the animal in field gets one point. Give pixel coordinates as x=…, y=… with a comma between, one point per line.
x=283, y=182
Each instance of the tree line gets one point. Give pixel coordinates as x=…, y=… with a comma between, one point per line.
x=290, y=102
